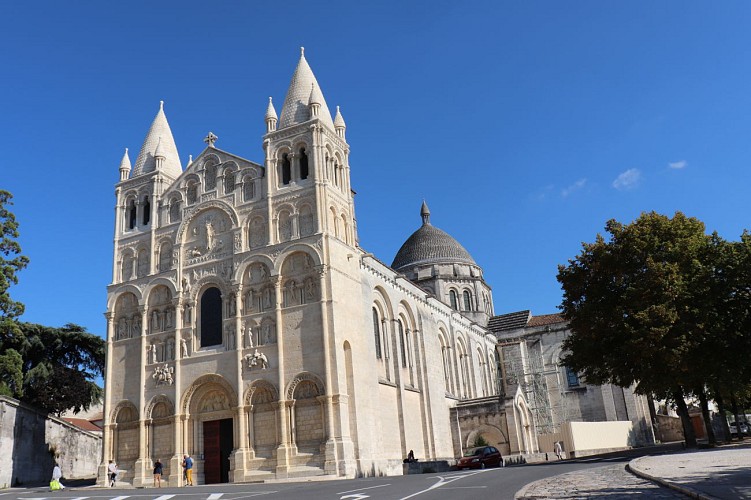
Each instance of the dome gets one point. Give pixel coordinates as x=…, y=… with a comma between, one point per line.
x=430, y=245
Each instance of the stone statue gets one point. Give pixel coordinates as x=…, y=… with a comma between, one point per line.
x=137, y=326
x=154, y=321
x=257, y=359
x=183, y=348
x=249, y=335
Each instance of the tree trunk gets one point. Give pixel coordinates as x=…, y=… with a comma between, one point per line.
x=736, y=415
x=707, y=419
x=721, y=409
x=688, y=430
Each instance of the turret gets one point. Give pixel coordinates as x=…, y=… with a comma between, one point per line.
x=125, y=166
x=315, y=100
x=339, y=124
x=270, y=117
x=159, y=155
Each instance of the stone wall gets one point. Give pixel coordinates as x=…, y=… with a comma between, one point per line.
x=31, y=440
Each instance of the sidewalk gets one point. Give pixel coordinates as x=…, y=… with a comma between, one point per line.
x=720, y=473
x=717, y=473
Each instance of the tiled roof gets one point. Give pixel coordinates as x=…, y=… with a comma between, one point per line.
x=430, y=245
x=510, y=321
x=295, y=108
x=160, y=135
x=83, y=424
x=545, y=319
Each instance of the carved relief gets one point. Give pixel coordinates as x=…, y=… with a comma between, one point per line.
x=209, y=236
x=164, y=375
x=257, y=232
x=256, y=360
x=214, y=401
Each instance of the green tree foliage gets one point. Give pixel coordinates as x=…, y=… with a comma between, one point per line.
x=636, y=306
x=60, y=366
x=11, y=262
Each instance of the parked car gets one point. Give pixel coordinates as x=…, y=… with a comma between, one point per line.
x=479, y=458
x=734, y=428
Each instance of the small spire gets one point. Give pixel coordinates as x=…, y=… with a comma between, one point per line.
x=270, y=117
x=425, y=214
x=125, y=166
x=302, y=51
x=315, y=95
x=339, y=124
x=190, y=159
x=159, y=151
x=161, y=105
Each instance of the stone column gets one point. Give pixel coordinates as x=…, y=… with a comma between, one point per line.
x=141, y=474
x=107, y=406
x=239, y=456
x=176, y=473
x=282, y=452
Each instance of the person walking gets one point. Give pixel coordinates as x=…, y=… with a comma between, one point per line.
x=188, y=467
x=558, y=450
x=57, y=474
x=112, y=469
x=158, y=473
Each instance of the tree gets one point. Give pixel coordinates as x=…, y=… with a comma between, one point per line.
x=60, y=366
x=634, y=306
x=11, y=262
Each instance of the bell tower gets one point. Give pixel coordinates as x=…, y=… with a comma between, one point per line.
x=307, y=161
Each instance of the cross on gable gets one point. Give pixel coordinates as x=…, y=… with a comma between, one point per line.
x=210, y=139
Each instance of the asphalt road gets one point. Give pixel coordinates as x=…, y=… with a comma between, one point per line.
x=500, y=483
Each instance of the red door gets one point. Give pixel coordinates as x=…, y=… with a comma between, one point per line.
x=211, y=452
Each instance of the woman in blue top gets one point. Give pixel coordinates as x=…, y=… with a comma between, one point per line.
x=158, y=473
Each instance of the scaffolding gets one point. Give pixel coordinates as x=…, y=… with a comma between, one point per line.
x=523, y=366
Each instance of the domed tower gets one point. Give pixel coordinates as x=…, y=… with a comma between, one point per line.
x=436, y=262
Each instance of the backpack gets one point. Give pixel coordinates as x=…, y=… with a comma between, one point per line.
x=55, y=485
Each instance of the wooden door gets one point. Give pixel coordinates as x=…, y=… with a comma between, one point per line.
x=211, y=452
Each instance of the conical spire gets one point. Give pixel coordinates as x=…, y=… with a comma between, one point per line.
x=270, y=117
x=425, y=214
x=159, y=151
x=295, y=109
x=339, y=124
x=159, y=134
x=125, y=166
x=315, y=95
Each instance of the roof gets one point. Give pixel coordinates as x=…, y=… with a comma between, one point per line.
x=295, y=109
x=430, y=245
x=83, y=424
x=522, y=319
x=510, y=321
x=159, y=135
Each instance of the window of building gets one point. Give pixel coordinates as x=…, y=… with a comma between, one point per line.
x=132, y=214
x=174, y=210
x=454, y=300
x=401, y=344
x=211, y=317
x=572, y=378
x=146, y=211
x=249, y=189
x=467, y=300
x=286, y=169
x=303, y=164
x=229, y=182
x=192, y=193
x=377, y=333
x=210, y=176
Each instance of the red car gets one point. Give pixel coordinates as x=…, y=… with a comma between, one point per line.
x=479, y=458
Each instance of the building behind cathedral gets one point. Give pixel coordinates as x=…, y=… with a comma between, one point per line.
x=247, y=328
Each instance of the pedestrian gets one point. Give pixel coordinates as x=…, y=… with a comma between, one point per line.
x=57, y=474
x=158, y=473
x=112, y=469
x=188, y=467
x=558, y=450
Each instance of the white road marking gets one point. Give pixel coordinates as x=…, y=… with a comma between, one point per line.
x=164, y=497
x=120, y=498
x=215, y=496
x=363, y=489
x=444, y=481
x=355, y=496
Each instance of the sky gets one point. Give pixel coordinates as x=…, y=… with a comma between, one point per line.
x=525, y=126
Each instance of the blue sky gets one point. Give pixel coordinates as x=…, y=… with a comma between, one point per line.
x=525, y=125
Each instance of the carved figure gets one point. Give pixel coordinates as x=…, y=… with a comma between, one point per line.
x=230, y=337
x=209, y=236
x=121, y=329
x=170, y=350
x=184, y=348
x=136, y=326
x=153, y=353
x=257, y=359
x=168, y=319
x=196, y=252
x=248, y=335
x=309, y=289
x=266, y=333
x=163, y=375
x=154, y=321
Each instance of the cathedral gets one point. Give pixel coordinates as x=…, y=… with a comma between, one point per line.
x=247, y=328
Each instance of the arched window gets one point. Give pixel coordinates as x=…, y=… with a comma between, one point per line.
x=336, y=173
x=467, y=300
x=192, y=193
x=174, y=210
x=249, y=189
x=286, y=169
x=401, y=344
x=210, y=176
x=211, y=317
x=132, y=214
x=229, y=181
x=377, y=333
x=303, y=164
x=454, y=300
x=146, y=211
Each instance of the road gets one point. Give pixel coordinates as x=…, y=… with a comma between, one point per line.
x=500, y=483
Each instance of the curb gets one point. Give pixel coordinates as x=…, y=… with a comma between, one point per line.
x=686, y=490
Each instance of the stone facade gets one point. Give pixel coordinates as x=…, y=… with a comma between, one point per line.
x=31, y=442
x=530, y=352
x=247, y=328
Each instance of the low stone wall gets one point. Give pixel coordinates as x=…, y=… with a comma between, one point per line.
x=669, y=429
x=426, y=467
x=31, y=441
